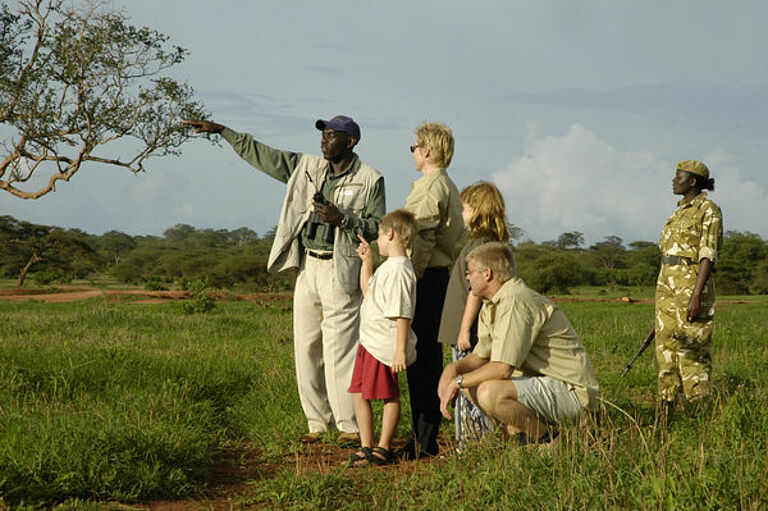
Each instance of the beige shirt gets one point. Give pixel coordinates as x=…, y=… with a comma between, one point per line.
x=434, y=201
x=521, y=328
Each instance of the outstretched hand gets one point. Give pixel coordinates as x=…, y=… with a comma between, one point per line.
x=204, y=126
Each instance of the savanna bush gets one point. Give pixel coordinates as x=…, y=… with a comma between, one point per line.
x=201, y=300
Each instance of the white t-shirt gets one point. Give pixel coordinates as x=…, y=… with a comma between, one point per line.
x=391, y=295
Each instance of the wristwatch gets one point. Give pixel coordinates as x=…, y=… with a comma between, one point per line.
x=459, y=379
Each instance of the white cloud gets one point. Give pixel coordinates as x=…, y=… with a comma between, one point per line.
x=743, y=201
x=578, y=182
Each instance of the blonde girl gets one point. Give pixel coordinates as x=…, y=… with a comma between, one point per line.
x=484, y=216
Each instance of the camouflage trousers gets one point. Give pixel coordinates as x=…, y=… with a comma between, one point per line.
x=683, y=349
x=683, y=352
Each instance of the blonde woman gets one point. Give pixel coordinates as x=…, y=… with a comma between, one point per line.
x=434, y=201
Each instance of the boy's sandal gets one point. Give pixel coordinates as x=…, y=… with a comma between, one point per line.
x=361, y=458
x=381, y=456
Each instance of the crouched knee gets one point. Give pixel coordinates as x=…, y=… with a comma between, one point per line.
x=492, y=394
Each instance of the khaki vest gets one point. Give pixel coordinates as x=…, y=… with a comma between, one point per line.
x=350, y=195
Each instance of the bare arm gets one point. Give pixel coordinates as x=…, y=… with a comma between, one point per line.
x=475, y=370
x=694, y=304
x=470, y=314
x=398, y=361
x=489, y=371
x=366, y=269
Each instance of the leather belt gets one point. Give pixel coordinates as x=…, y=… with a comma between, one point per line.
x=320, y=255
x=672, y=260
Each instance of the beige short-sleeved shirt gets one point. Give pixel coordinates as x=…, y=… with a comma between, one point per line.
x=435, y=202
x=521, y=328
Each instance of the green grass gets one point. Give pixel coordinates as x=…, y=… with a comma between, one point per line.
x=128, y=401
x=123, y=401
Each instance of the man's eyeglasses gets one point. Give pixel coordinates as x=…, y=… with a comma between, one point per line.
x=469, y=272
x=413, y=147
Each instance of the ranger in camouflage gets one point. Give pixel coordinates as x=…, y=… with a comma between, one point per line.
x=685, y=291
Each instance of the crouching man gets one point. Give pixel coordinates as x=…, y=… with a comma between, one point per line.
x=529, y=370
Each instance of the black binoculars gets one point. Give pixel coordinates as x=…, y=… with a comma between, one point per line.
x=314, y=221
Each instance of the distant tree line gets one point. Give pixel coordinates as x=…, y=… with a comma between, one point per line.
x=234, y=259
x=556, y=266
x=237, y=259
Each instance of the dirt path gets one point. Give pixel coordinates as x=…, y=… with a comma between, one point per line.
x=235, y=475
x=74, y=294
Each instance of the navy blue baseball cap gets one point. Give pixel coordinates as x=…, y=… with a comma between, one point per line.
x=340, y=123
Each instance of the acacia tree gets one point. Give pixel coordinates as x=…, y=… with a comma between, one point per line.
x=570, y=240
x=62, y=253
x=116, y=244
x=609, y=252
x=73, y=81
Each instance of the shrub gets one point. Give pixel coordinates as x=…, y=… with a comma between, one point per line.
x=556, y=272
x=154, y=285
x=44, y=277
x=201, y=300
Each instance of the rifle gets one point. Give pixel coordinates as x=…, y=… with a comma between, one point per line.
x=646, y=343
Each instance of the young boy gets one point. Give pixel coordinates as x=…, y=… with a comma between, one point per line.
x=387, y=343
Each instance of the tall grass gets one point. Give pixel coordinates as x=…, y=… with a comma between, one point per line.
x=709, y=458
x=132, y=401
x=125, y=401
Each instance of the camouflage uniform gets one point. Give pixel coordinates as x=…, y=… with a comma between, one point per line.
x=693, y=232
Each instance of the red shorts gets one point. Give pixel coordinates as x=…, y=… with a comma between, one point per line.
x=373, y=379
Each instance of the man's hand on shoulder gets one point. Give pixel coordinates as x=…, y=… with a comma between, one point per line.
x=204, y=126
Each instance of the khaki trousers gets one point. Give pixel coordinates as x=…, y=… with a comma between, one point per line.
x=325, y=333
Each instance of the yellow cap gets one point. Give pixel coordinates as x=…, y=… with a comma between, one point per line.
x=694, y=167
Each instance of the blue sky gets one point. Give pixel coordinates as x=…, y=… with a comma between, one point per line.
x=578, y=110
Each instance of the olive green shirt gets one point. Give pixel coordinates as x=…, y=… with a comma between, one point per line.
x=523, y=329
x=434, y=201
x=280, y=165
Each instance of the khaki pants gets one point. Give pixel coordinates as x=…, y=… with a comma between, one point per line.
x=325, y=332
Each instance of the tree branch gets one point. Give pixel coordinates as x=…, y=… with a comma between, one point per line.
x=81, y=79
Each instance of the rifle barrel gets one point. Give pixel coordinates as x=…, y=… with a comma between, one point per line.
x=643, y=347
